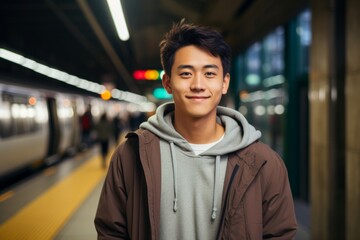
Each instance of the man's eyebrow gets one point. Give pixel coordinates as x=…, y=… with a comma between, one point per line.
x=183, y=66
x=211, y=66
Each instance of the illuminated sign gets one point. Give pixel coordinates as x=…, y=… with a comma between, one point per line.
x=150, y=74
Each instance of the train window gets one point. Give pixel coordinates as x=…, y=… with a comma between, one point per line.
x=262, y=96
x=253, y=66
x=19, y=115
x=304, y=31
x=273, y=63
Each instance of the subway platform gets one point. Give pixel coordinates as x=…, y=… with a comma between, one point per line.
x=60, y=203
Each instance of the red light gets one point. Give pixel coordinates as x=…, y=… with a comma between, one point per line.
x=139, y=74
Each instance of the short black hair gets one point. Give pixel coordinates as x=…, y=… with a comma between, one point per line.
x=183, y=34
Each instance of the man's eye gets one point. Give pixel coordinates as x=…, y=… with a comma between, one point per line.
x=210, y=74
x=185, y=74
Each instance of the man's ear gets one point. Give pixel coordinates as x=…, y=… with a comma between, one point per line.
x=166, y=83
x=226, y=83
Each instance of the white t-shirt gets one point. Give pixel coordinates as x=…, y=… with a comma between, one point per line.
x=200, y=148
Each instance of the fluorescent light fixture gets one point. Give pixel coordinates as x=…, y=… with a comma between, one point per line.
x=10, y=56
x=119, y=19
x=70, y=79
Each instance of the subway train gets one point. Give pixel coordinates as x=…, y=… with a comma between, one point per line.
x=39, y=127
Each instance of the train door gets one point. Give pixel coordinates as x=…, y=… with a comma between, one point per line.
x=66, y=115
x=54, y=132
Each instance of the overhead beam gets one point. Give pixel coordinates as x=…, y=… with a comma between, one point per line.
x=107, y=46
x=179, y=10
x=77, y=34
x=221, y=12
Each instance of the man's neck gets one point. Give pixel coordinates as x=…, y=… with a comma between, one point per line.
x=199, y=131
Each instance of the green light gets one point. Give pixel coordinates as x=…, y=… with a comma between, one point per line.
x=161, y=93
x=252, y=79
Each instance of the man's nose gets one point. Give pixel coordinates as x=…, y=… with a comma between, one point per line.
x=197, y=82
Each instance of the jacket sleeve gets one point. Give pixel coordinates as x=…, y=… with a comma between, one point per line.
x=279, y=220
x=110, y=219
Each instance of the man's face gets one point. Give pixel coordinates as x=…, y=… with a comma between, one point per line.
x=196, y=82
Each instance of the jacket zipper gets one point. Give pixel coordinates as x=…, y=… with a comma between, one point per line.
x=233, y=174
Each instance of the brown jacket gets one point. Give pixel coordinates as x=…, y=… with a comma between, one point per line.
x=256, y=204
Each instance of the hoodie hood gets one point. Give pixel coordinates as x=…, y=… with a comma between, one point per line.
x=238, y=132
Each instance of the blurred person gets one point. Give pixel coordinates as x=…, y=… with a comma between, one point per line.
x=104, y=131
x=195, y=170
x=118, y=128
x=86, y=127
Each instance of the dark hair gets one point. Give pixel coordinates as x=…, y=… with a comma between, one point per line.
x=184, y=34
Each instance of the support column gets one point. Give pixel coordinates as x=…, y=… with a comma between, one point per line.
x=327, y=130
x=352, y=99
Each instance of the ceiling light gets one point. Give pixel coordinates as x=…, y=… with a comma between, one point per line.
x=119, y=19
x=68, y=78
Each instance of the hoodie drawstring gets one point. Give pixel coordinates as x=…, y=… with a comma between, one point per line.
x=217, y=172
x=217, y=165
x=173, y=159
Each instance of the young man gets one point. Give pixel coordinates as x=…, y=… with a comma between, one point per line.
x=195, y=170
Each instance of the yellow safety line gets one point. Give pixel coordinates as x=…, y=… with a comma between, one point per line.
x=44, y=217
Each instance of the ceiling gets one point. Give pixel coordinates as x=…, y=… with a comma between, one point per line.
x=79, y=37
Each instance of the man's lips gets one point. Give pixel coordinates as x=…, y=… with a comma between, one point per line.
x=197, y=97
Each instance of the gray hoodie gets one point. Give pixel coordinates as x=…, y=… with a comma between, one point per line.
x=194, y=194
